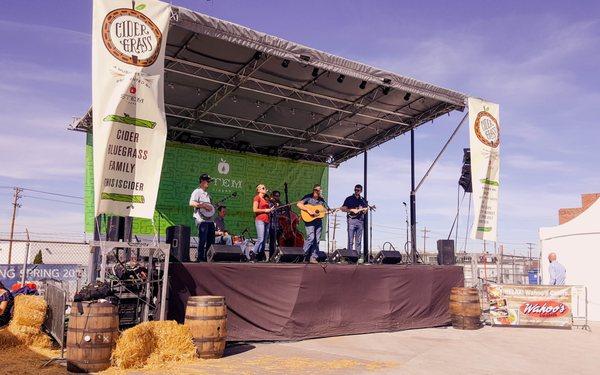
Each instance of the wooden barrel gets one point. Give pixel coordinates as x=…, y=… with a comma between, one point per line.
x=206, y=316
x=91, y=336
x=465, y=309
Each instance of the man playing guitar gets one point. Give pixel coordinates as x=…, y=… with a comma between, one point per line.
x=200, y=200
x=355, y=206
x=314, y=227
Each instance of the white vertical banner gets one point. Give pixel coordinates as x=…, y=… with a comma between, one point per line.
x=484, y=134
x=129, y=125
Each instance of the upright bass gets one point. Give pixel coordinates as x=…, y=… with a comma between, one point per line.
x=288, y=222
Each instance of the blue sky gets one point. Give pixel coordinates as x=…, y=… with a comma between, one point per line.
x=538, y=59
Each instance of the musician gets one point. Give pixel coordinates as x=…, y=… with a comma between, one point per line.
x=313, y=228
x=274, y=230
x=261, y=209
x=222, y=235
x=355, y=218
x=206, y=227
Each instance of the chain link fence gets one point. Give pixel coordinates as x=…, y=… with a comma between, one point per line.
x=42, y=261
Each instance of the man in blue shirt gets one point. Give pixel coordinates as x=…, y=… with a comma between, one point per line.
x=557, y=271
x=313, y=228
x=353, y=206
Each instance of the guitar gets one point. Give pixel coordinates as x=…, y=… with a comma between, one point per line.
x=353, y=213
x=209, y=213
x=319, y=212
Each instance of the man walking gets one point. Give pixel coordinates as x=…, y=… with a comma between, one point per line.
x=200, y=200
x=355, y=207
x=557, y=271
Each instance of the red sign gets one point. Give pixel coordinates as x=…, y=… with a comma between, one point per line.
x=544, y=309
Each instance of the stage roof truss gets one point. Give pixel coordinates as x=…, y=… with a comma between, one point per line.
x=309, y=105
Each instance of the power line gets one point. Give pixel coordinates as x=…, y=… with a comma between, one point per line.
x=53, y=200
x=50, y=193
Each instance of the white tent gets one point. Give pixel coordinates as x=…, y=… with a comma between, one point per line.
x=577, y=246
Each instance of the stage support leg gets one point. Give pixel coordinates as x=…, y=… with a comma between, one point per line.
x=366, y=221
x=413, y=201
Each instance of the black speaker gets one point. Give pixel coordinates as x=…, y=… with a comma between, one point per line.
x=288, y=255
x=388, y=257
x=225, y=253
x=445, y=252
x=345, y=255
x=465, y=177
x=178, y=237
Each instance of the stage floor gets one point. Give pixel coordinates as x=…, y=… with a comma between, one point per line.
x=300, y=301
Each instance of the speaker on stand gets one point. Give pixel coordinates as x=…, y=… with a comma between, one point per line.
x=178, y=236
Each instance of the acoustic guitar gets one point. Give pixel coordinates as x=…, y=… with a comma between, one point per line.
x=319, y=212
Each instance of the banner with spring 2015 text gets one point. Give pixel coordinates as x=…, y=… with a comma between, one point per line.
x=484, y=134
x=129, y=125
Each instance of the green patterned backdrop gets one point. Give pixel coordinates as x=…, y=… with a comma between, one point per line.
x=232, y=171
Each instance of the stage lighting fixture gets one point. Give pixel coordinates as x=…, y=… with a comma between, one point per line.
x=362, y=85
x=315, y=72
x=387, y=81
x=386, y=90
x=257, y=55
x=285, y=63
x=341, y=78
x=293, y=111
x=258, y=104
x=407, y=96
x=234, y=98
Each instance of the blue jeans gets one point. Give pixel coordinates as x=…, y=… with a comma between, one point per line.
x=206, y=237
x=355, y=232
x=224, y=240
x=262, y=232
x=313, y=236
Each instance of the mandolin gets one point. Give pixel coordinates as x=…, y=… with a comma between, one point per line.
x=319, y=212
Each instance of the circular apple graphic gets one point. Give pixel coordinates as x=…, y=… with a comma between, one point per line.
x=223, y=167
x=132, y=90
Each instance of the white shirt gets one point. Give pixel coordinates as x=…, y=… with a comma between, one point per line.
x=199, y=196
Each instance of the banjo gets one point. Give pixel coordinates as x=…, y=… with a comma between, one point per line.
x=209, y=213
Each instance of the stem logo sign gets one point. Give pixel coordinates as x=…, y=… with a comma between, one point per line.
x=131, y=37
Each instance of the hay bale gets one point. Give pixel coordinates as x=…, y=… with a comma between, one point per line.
x=25, y=326
x=153, y=344
x=29, y=311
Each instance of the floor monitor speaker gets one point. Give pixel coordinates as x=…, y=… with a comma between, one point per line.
x=289, y=255
x=345, y=255
x=225, y=253
x=388, y=257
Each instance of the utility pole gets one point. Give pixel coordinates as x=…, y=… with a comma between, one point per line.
x=16, y=205
x=530, y=244
x=425, y=236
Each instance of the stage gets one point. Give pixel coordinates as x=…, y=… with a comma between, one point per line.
x=301, y=301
